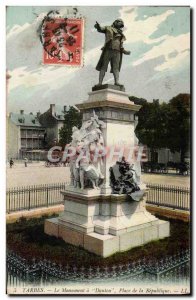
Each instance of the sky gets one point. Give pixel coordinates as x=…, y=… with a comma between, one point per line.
x=158, y=67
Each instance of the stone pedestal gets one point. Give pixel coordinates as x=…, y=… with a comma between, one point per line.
x=114, y=108
x=97, y=220
x=105, y=224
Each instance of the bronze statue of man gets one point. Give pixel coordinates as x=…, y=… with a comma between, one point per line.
x=112, y=50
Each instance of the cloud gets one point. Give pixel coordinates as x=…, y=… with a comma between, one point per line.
x=53, y=77
x=141, y=30
x=25, y=61
x=17, y=29
x=170, y=45
x=34, y=86
x=172, y=48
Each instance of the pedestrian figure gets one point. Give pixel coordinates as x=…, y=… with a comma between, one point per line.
x=11, y=162
x=25, y=161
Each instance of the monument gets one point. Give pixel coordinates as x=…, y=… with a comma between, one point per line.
x=104, y=206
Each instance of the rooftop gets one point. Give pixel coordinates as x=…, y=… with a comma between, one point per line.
x=58, y=112
x=22, y=119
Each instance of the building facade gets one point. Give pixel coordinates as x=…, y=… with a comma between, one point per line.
x=30, y=136
x=162, y=156
x=53, y=120
x=25, y=136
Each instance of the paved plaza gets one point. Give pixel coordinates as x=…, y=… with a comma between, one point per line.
x=37, y=173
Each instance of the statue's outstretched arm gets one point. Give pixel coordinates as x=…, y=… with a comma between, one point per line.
x=99, y=28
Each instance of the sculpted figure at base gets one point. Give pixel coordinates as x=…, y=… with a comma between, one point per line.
x=112, y=50
x=123, y=178
x=85, y=165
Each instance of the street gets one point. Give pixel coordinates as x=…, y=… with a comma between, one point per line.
x=37, y=173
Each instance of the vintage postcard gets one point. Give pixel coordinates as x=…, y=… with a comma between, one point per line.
x=98, y=150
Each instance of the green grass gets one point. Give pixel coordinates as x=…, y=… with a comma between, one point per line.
x=27, y=239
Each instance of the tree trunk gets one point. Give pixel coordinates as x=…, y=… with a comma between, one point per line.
x=182, y=155
x=154, y=158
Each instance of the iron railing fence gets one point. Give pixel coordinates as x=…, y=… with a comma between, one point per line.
x=37, y=196
x=175, y=197
x=175, y=268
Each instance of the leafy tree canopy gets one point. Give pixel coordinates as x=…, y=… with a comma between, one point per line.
x=72, y=118
x=179, y=124
x=166, y=124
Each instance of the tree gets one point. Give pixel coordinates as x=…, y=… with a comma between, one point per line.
x=152, y=125
x=179, y=124
x=165, y=125
x=72, y=118
x=138, y=101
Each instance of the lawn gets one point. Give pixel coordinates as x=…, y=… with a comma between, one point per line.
x=27, y=239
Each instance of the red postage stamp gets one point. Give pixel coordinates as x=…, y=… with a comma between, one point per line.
x=62, y=40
